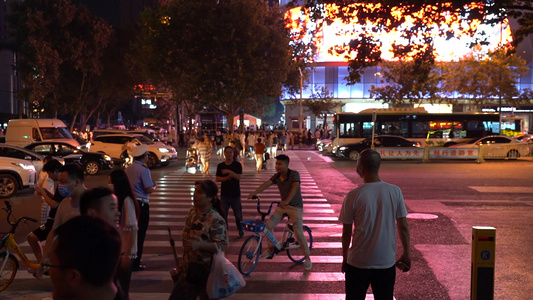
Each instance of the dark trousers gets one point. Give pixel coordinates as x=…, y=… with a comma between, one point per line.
x=236, y=206
x=144, y=217
x=358, y=280
x=123, y=275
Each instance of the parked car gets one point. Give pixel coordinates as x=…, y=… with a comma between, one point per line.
x=99, y=132
x=324, y=146
x=91, y=162
x=526, y=138
x=114, y=145
x=352, y=151
x=15, y=174
x=22, y=153
x=497, y=146
x=148, y=133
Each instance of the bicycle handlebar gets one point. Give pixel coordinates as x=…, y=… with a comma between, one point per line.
x=263, y=215
x=14, y=225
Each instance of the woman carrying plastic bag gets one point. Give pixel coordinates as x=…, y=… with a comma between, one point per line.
x=203, y=236
x=224, y=279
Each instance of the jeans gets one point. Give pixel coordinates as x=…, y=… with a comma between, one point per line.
x=381, y=280
x=236, y=205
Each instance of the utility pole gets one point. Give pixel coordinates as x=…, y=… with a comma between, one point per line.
x=301, y=117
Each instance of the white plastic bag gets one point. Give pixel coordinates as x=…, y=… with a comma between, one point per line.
x=224, y=279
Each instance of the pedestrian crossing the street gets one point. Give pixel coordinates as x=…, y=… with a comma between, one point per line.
x=272, y=279
x=278, y=278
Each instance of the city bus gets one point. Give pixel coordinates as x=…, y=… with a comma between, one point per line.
x=416, y=124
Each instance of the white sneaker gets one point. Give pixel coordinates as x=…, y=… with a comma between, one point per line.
x=267, y=254
x=308, y=264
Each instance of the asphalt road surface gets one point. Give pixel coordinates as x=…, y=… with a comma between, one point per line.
x=458, y=194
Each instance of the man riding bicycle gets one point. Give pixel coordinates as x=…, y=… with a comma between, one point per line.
x=288, y=182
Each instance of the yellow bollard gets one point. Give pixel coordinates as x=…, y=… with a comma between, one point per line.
x=480, y=155
x=426, y=154
x=483, y=257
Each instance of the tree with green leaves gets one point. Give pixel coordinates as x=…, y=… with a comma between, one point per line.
x=407, y=82
x=209, y=57
x=60, y=48
x=485, y=80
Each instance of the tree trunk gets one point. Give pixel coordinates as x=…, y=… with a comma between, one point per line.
x=229, y=116
x=91, y=113
x=241, y=118
x=325, y=125
x=176, y=125
x=74, y=118
x=97, y=122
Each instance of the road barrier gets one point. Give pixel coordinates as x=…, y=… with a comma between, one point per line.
x=428, y=153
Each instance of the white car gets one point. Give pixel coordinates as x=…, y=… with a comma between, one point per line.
x=497, y=146
x=15, y=174
x=114, y=145
x=25, y=154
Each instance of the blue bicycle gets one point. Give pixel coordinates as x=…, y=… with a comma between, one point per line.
x=251, y=248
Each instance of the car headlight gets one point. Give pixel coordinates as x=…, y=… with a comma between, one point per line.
x=107, y=157
x=342, y=148
x=25, y=166
x=163, y=150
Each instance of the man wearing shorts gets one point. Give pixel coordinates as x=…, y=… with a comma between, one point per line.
x=35, y=238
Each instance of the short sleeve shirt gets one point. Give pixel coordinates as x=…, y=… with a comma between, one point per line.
x=66, y=210
x=232, y=187
x=140, y=179
x=286, y=186
x=204, y=227
x=373, y=208
x=260, y=148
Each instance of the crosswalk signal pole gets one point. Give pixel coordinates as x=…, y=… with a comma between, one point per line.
x=482, y=272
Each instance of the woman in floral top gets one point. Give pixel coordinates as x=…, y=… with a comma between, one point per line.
x=204, y=231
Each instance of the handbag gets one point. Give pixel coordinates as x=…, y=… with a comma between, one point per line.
x=224, y=279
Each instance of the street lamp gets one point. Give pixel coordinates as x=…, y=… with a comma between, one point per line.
x=301, y=117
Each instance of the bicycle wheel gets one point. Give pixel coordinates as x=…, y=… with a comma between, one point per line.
x=249, y=255
x=294, y=251
x=10, y=270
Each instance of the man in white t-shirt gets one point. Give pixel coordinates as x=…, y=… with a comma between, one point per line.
x=371, y=212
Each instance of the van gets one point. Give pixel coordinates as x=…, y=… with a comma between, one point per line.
x=22, y=132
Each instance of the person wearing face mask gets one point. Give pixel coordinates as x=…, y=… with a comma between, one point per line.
x=70, y=186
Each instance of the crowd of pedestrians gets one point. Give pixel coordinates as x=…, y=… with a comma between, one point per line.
x=106, y=226
x=253, y=145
